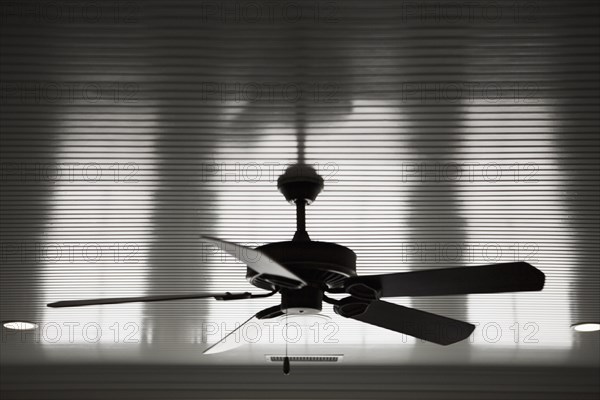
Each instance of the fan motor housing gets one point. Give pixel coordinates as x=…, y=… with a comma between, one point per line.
x=321, y=264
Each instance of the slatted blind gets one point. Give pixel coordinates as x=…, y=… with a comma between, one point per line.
x=448, y=134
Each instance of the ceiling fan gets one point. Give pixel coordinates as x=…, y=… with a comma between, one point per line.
x=305, y=271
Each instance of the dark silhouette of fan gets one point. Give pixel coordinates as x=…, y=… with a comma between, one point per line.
x=305, y=271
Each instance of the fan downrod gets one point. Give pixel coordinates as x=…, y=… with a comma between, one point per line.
x=300, y=184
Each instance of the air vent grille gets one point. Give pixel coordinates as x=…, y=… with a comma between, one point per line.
x=307, y=358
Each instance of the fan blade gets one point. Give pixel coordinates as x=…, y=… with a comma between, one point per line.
x=224, y=344
x=146, y=299
x=257, y=261
x=420, y=324
x=507, y=277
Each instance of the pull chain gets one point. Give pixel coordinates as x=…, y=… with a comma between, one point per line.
x=286, y=359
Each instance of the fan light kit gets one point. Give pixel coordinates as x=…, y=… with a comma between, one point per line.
x=304, y=271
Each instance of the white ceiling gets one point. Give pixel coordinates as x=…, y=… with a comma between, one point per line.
x=443, y=142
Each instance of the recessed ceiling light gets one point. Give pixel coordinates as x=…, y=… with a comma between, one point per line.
x=586, y=327
x=20, y=325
